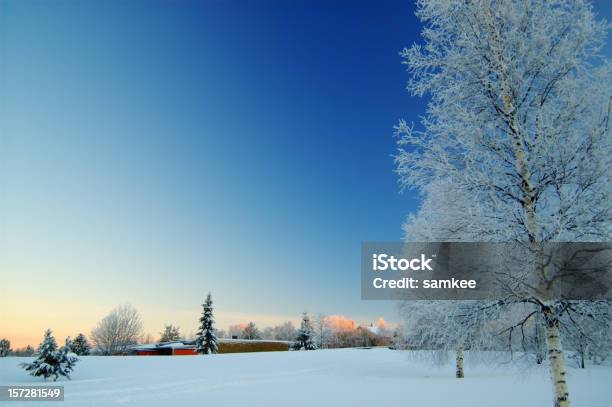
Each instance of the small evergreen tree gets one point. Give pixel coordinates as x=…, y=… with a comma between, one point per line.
x=67, y=359
x=251, y=332
x=5, y=347
x=306, y=334
x=170, y=333
x=80, y=346
x=206, y=340
x=50, y=361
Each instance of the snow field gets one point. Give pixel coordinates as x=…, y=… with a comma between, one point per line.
x=344, y=377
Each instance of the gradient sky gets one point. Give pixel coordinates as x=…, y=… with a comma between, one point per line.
x=152, y=151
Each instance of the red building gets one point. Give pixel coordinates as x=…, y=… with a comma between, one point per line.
x=167, y=349
x=225, y=346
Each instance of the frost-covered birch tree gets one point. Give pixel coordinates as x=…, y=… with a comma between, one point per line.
x=590, y=337
x=251, y=332
x=446, y=215
x=117, y=331
x=518, y=121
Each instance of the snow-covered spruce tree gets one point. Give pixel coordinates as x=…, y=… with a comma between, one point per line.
x=305, y=338
x=519, y=121
x=51, y=361
x=5, y=347
x=80, y=346
x=206, y=340
x=46, y=361
x=67, y=358
x=170, y=333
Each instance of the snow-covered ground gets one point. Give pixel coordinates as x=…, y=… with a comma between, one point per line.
x=347, y=377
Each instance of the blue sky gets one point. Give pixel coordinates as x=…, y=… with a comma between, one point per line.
x=153, y=151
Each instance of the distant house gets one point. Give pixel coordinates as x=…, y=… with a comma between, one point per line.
x=166, y=349
x=225, y=346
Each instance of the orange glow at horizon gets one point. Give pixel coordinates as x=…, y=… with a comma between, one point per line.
x=340, y=323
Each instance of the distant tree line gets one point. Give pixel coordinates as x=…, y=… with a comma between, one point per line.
x=119, y=331
x=326, y=332
x=79, y=346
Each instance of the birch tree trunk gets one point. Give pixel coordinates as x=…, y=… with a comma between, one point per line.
x=459, y=362
x=511, y=120
x=558, y=371
x=553, y=343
